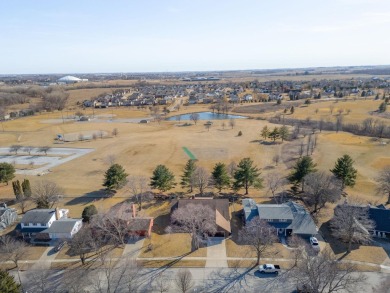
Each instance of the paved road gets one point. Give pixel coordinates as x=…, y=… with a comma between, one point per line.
x=217, y=280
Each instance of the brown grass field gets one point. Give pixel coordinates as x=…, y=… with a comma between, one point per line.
x=141, y=147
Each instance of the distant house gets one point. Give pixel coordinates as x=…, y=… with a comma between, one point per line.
x=141, y=226
x=221, y=208
x=48, y=224
x=381, y=217
x=7, y=216
x=288, y=218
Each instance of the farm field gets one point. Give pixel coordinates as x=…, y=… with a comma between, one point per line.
x=141, y=147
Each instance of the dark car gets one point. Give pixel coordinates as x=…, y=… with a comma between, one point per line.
x=59, y=246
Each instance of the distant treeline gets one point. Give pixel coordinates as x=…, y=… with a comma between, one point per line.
x=369, y=127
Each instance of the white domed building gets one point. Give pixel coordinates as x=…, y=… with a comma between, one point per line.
x=70, y=79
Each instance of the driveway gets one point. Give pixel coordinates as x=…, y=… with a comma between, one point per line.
x=216, y=253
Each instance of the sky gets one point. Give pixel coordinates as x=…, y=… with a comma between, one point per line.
x=83, y=36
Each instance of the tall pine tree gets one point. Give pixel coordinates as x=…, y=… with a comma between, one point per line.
x=345, y=171
x=186, y=178
x=247, y=175
x=220, y=176
x=162, y=179
x=303, y=166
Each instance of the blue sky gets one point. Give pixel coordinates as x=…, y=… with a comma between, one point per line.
x=46, y=36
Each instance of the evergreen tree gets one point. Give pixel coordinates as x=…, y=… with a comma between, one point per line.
x=274, y=134
x=292, y=109
x=7, y=172
x=162, y=179
x=17, y=190
x=186, y=178
x=8, y=283
x=220, y=176
x=345, y=171
x=88, y=213
x=303, y=166
x=284, y=133
x=265, y=132
x=26, y=187
x=247, y=175
x=115, y=177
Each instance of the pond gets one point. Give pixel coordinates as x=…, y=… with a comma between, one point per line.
x=206, y=116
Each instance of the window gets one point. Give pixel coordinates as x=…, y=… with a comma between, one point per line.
x=282, y=220
x=42, y=224
x=35, y=224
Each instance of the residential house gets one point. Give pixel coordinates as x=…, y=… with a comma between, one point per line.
x=7, y=216
x=381, y=217
x=48, y=224
x=141, y=226
x=288, y=218
x=220, y=206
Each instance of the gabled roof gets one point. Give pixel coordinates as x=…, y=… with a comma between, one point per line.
x=301, y=220
x=62, y=226
x=38, y=216
x=275, y=211
x=221, y=204
x=139, y=224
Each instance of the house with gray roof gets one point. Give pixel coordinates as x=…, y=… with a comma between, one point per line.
x=380, y=215
x=288, y=218
x=48, y=224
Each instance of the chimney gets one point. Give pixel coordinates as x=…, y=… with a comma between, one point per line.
x=57, y=214
x=133, y=210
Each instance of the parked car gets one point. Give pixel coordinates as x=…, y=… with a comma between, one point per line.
x=314, y=243
x=59, y=246
x=269, y=269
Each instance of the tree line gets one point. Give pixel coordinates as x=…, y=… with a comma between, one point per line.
x=369, y=127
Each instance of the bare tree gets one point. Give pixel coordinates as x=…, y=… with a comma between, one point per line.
x=28, y=149
x=223, y=125
x=194, y=117
x=275, y=182
x=162, y=283
x=12, y=250
x=140, y=189
x=383, y=181
x=351, y=223
x=339, y=122
x=276, y=159
x=196, y=220
x=200, y=179
x=232, y=123
x=75, y=280
x=301, y=148
x=120, y=277
x=113, y=224
x=83, y=243
x=43, y=149
x=115, y=132
x=259, y=235
x=81, y=137
x=320, y=189
x=40, y=280
x=15, y=148
x=183, y=280
x=46, y=194
x=232, y=167
x=325, y=273
x=110, y=160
